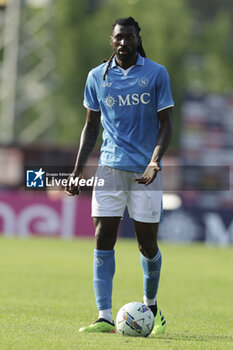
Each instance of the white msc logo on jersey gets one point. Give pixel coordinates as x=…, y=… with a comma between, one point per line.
x=143, y=82
x=128, y=100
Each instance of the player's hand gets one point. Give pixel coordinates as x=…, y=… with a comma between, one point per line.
x=149, y=174
x=72, y=188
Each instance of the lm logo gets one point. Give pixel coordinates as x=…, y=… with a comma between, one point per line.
x=128, y=100
x=35, y=178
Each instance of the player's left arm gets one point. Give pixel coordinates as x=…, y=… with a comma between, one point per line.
x=163, y=140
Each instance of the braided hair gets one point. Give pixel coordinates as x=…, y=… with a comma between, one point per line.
x=128, y=21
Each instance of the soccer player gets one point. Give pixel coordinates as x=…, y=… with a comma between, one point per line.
x=131, y=96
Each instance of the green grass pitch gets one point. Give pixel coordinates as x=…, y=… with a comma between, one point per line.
x=46, y=295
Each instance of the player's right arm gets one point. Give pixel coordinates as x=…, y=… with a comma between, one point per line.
x=88, y=139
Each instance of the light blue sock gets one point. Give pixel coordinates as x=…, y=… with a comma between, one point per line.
x=104, y=269
x=151, y=274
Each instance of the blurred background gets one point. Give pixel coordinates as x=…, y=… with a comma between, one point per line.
x=47, y=48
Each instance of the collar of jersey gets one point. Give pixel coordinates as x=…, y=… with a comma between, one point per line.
x=140, y=61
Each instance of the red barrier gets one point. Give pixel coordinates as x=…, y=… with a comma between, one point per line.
x=50, y=214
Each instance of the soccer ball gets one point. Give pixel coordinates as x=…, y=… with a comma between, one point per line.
x=135, y=319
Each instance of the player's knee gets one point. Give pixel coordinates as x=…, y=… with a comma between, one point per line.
x=101, y=240
x=104, y=240
x=148, y=248
x=105, y=233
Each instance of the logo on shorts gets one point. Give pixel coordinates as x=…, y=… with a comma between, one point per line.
x=99, y=262
x=143, y=82
x=155, y=212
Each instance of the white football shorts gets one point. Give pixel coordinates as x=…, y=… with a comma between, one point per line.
x=144, y=203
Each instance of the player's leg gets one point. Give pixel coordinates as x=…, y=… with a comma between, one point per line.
x=107, y=209
x=103, y=270
x=145, y=206
x=104, y=263
x=151, y=260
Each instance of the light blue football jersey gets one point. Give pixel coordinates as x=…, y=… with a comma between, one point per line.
x=129, y=101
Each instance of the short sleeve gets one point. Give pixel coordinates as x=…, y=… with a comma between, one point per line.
x=164, y=94
x=90, y=97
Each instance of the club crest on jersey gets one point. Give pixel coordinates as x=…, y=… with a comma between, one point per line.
x=128, y=100
x=143, y=82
